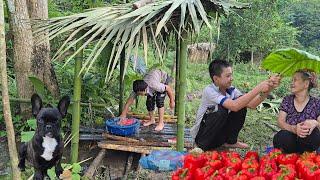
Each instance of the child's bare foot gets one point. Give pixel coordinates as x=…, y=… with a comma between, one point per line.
x=159, y=127
x=148, y=123
x=238, y=144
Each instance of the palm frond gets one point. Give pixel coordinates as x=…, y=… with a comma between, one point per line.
x=122, y=26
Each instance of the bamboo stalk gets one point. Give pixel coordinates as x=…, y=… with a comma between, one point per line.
x=121, y=85
x=177, y=75
x=182, y=90
x=76, y=106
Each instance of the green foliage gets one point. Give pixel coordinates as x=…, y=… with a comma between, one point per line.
x=304, y=15
x=259, y=29
x=27, y=135
x=75, y=169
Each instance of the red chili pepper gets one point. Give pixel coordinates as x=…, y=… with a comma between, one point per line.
x=240, y=176
x=274, y=153
x=288, y=171
x=234, y=163
x=215, y=164
x=194, y=161
x=268, y=168
x=227, y=172
x=181, y=174
x=215, y=176
x=252, y=154
x=250, y=163
x=250, y=172
x=258, y=178
x=204, y=172
x=308, y=170
x=288, y=158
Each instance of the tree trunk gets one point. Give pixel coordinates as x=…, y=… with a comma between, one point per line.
x=22, y=53
x=5, y=100
x=41, y=63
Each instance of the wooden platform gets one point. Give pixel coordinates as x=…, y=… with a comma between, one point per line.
x=146, y=140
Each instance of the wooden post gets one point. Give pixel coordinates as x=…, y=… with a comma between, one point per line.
x=122, y=64
x=5, y=100
x=182, y=90
x=76, y=112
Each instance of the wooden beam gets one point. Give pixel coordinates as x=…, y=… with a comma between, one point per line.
x=136, y=149
x=119, y=138
x=147, y=144
x=94, y=165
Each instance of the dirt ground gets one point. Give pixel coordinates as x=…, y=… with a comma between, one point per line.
x=112, y=167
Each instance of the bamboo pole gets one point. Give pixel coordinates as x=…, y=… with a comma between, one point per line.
x=121, y=80
x=76, y=106
x=5, y=100
x=20, y=100
x=182, y=90
x=177, y=75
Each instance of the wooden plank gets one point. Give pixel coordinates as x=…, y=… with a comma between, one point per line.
x=148, y=144
x=137, y=149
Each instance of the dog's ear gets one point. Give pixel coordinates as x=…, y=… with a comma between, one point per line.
x=36, y=104
x=63, y=105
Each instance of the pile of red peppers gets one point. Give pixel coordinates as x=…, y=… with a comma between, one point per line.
x=228, y=165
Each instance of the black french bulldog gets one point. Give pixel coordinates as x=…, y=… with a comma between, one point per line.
x=45, y=149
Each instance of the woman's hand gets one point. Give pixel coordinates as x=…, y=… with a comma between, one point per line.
x=311, y=124
x=302, y=130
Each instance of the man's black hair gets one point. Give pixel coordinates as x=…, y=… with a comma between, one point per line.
x=216, y=67
x=139, y=85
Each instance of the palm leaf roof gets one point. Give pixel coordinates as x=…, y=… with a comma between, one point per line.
x=126, y=27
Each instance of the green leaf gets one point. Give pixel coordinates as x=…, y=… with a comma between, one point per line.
x=51, y=173
x=26, y=136
x=32, y=123
x=38, y=85
x=75, y=177
x=76, y=168
x=288, y=61
x=3, y=133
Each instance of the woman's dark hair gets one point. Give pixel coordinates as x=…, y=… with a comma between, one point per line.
x=139, y=85
x=216, y=67
x=308, y=75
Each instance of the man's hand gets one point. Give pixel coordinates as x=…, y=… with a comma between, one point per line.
x=302, y=130
x=265, y=86
x=310, y=124
x=275, y=81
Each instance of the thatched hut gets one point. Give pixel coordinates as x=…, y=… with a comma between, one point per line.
x=200, y=52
